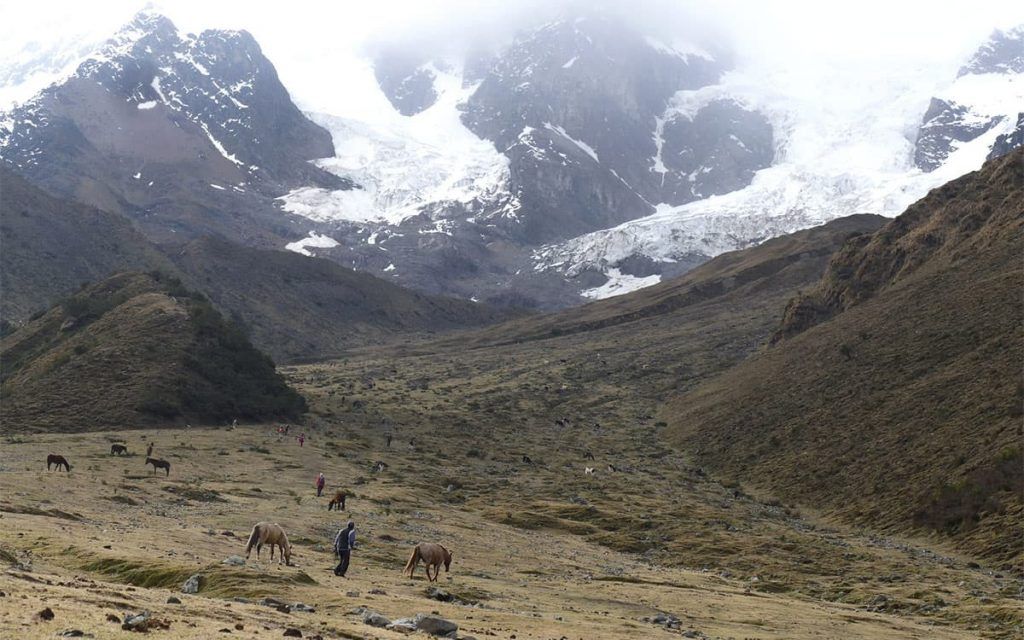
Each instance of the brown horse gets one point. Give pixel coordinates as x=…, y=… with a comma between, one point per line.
x=337, y=501
x=118, y=449
x=432, y=555
x=269, y=533
x=54, y=459
x=159, y=464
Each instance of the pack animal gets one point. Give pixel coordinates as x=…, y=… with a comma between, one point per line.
x=118, y=449
x=59, y=461
x=432, y=555
x=589, y=471
x=159, y=464
x=269, y=533
x=338, y=501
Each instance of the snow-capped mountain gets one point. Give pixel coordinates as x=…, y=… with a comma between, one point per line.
x=581, y=159
x=976, y=101
x=829, y=165
x=573, y=127
x=183, y=132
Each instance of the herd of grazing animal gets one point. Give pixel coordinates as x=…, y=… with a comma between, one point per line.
x=272, y=534
x=56, y=461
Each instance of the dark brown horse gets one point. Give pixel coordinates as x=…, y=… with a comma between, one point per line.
x=337, y=501
x=159, y=464
x=54, y=459
x=118, y=449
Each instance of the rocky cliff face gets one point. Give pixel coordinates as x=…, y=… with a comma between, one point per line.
x=587, y=112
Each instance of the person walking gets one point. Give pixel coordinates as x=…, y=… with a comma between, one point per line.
x=302, y=438
x=149, y=450
x=320, y=482
x=344, y=543
x=388, y=438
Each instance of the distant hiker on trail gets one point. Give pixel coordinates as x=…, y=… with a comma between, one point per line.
x=320, y=482
x=302, y=438
x=344, y=543
x=149, y=450
x=388, y=438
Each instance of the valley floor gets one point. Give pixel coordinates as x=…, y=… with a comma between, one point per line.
x=540, y=550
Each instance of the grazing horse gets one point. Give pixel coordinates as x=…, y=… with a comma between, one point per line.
x=269, y=533
x=380, y=466
x=54, y=459
x=526, y=460
x=588, y=471
x=588, y=456
x=118, y=449
x=432, y=555
x=159, y=464
x=337, y=501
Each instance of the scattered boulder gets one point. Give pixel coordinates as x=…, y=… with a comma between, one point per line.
x=439, y=594
x=403, y=625
x=378, y=592
x=46, y=614
x=292, y=632
x=435, y=625
x=351, y=594
x=143, y=622
x=72, y=633
x=375, y=619
x=192, y=584
x=113, y=618
x=173, y=600
x=298, y=606
x=667, y=620
x=237, y=561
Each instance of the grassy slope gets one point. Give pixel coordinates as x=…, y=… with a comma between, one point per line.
x=132, y=350
x=297, y=307
x=53, y=246
x=903, y=409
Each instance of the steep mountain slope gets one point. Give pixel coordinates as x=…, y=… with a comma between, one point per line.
x=187, y=134
x=131, y=350
x=296, y=307
x=893, y=394
x=50, y=247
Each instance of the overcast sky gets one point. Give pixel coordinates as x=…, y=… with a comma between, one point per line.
x=316, y=45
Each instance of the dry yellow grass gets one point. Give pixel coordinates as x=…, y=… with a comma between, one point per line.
x=542, y=582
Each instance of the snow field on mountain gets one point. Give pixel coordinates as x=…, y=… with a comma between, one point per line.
x=844, y=145
x=403, y=163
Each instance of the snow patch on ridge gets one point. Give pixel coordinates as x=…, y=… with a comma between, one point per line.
x=314, y=240
x=618, y=284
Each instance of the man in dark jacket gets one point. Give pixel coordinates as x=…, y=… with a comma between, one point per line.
x=344, y=542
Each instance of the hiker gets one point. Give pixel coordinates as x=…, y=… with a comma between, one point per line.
x=149, y=450
x=320, y=482
x=388, y=438
x=302, y=438
x=344, y=543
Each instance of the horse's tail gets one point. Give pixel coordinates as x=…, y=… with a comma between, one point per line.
x=254, y=537
x=413, y=560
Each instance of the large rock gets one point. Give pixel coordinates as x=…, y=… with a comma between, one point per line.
x=375, y=619
x=435, y=626
x=193, y=584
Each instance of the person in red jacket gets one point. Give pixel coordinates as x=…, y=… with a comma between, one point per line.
x=320, y=482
